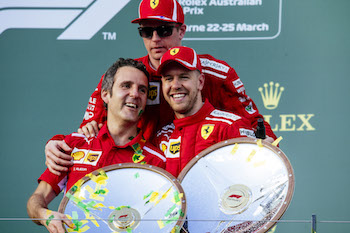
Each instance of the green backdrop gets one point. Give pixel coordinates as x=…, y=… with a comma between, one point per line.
x=303, y=45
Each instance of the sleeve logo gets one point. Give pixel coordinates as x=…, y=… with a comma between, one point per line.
x=206, y=131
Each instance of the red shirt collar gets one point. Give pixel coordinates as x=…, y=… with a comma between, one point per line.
x=104, y=135
x=197, y=117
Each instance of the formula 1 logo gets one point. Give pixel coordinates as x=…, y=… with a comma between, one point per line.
x=81, y=19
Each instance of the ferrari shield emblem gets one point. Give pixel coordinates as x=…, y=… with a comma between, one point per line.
x=206, y=131
x=136, y=158
x=174, y=51
x=154, y=3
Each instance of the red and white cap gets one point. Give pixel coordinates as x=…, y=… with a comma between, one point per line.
x=185, y=56
x=164, y=10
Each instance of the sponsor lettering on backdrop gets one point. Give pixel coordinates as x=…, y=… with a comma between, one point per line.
x=271, y=94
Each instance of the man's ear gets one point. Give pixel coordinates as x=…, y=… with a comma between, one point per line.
x=182, y=31
x=105, y=96
x=201, y=80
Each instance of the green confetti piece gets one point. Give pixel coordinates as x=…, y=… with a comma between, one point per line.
x=49, y=220
x=181, y=213
x=170, y=210
x=100, y=191
x=74, y=188
x=111, y=219
x=176, y=196
x=137, y=175
x=75, y=221
x=141, y=111
x=146, y=196
x=129, y=230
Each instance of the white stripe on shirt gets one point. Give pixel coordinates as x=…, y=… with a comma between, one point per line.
x=154, y=153
x=217, y=119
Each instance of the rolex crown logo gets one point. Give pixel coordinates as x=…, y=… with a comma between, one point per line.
x=271, y=95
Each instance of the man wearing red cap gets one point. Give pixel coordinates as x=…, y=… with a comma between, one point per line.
x=162, y=27
x=197, y=124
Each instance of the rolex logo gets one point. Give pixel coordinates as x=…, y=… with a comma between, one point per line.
x=271, y=94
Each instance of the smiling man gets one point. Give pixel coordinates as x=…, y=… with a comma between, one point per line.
x=161, y=27
x=124, y=91
x=198, y=124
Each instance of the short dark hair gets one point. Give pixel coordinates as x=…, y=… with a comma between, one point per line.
x=108, y=79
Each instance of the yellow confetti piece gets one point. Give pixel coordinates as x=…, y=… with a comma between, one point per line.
x=273, y=229
x=160, y=224
x=165, y=194
x=259, y=143
x=234, y=149
x=154, y=197
x=98, y=205
x=93, y=195
x=251, y=155
x=85, y=228
x=177, y=198
x=176, y=229
x=99, y=179
x=259, y=164
x=111, y=207
x=78, y=184
x=48, y=212
x=92, y=219
x=277, y=141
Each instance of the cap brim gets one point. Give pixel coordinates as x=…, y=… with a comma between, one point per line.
x=162, y=66
x=138, y=20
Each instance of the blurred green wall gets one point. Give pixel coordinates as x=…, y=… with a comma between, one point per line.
x=46, y=83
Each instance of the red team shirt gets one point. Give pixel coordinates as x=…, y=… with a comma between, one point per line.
x=94, y=153
x=222, y=88
x=182, y=140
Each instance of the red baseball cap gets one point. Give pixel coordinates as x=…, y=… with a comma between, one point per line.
x=164, y=10
x=185, y=56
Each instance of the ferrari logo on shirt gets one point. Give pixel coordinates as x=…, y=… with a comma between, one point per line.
x=206, y=131
x=174, y=51
x=136, y=158
x=154, y=3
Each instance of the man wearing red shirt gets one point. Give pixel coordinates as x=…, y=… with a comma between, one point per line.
x=197, y=124
x=161, y=28
x=124, y=91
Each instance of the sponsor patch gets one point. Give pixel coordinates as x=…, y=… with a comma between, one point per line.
x=92, y=157
x=153, y=93
x=82, y=156
x=227, y=115
x=214, y=65
x=237, y=83
x=250, y=108
x=207, y=130
x=78, y=155
x=173, y=151
x=241, y=90
x=242, y=99
x=247, y=132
